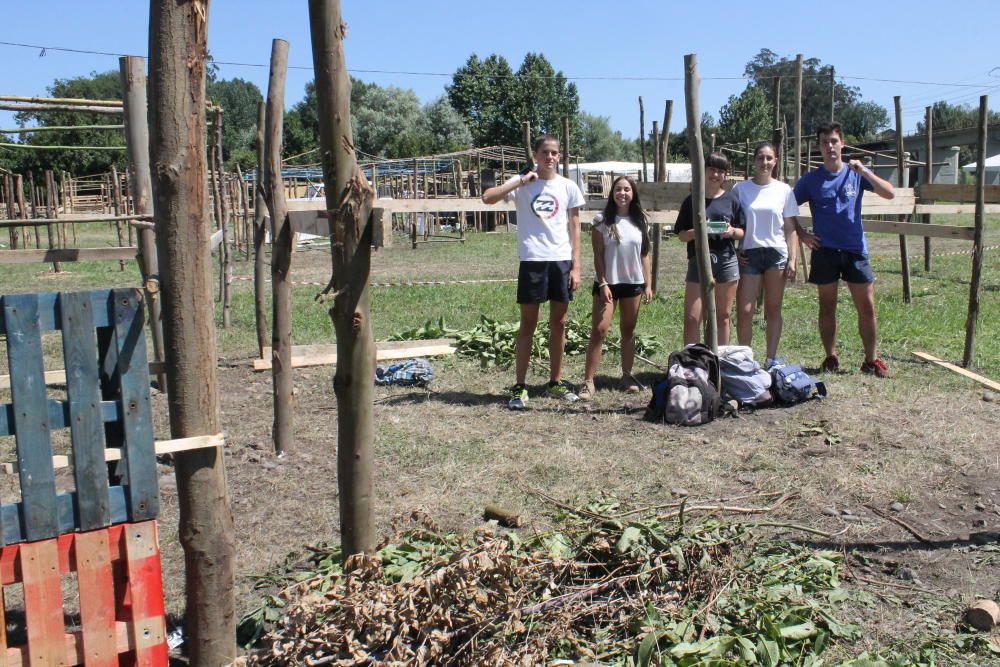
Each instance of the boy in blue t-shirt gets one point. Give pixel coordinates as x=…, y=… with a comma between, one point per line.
x=839, y=249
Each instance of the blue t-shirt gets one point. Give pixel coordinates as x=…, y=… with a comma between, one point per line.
x=835, y=204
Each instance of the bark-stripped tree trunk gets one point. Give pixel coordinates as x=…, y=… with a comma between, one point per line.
x=178, y=32
x=281, y=252
x=348, y=201
x=259, y=232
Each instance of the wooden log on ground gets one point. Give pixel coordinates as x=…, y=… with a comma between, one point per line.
x=178, y=34
x=326, y=355
x=985, y=381
x=349, y=200
x=281, y=251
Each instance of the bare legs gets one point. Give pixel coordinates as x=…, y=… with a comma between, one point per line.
x=863, y=295
x=774, y=294
x=602, y=314
x=526, y=331
x=725, y=295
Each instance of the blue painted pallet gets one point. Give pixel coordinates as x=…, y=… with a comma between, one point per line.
x=107, y=387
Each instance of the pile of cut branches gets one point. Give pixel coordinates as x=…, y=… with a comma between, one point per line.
x=636, y=587
x=492, y=342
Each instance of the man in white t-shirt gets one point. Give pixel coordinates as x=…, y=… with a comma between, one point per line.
x=548, y=245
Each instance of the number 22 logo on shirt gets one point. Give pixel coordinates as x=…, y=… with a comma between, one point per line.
x=545, y=206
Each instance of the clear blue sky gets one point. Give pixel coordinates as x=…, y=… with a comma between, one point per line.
x=929, y=43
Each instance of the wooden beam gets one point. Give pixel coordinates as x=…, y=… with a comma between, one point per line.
x=326, y=355
x=959, y=193
x=66, y=255
x=59, y=376
x=115, y=453
x=986, y=382
x=918, y=229
x=955, y=209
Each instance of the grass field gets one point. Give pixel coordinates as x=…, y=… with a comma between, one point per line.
x=926, y=439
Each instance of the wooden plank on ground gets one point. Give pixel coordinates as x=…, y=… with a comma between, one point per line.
x=115, y=453
x=985, y=381
x=45, y=256
x=325, y=355
x=949, y=192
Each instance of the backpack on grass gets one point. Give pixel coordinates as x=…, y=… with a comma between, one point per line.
x=793, y=385
x=687, y=395
x=743, y=380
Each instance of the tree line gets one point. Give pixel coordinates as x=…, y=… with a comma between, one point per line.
x=483, y=105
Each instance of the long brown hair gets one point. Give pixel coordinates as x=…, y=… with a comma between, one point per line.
x=636, y=215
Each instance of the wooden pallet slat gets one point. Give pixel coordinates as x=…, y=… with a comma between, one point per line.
x=43, y=608
x=32, y=437
x=86, y=423
x=145, y=608
x=137, y=418
x=97, y=598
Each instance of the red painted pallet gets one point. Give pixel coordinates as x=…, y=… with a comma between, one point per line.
x=120, y=594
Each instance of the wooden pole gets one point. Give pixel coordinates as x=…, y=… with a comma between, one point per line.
x=349, y=202
x=655, y=143
x=833, y=87
x=34, y=206
x=214, y=185
x=413, y=195
x=691, y=83
x=52, y=212
x=797, y=171
x=259, y=234
x=642, y=137
x=565, y=145
x=225, y=253
x=8, y=196
x=178, y=33
x=116, y=207
x=244, y=202
x=928, y=175
x=526, y=140
x=668, y=109
x=22, y=210
x=747, y=160
x=901, y=181
x=977, y=241
x=281, y=251
x=133, y=77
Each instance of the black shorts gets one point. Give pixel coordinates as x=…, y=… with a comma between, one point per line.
x=538, y=282
x=621, y=290
x=827, y=265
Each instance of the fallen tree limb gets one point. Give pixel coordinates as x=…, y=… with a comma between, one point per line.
x=902, y=524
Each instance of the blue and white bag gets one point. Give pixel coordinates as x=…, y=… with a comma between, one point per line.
x=791, y=385
x=743, y=380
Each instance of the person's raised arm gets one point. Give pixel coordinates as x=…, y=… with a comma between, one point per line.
x=573, y=221
x=880, y=186
x=496, y=193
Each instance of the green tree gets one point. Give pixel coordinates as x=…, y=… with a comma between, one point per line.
x=861, y=123
x=448, y=131
x=749, y=116
x=238, y=99
x=482, y=92
x=949, y=116
x=543, y=96
x=103, y=86
x=596, y=141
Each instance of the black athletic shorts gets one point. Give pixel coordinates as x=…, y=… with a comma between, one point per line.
x=621, y=290
x=538, y=282
x=827, y=265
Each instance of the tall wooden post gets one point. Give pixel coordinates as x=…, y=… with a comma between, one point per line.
x=133, y=77
x=977, y=239
x=8, y=197
x=526, y=141
x=928, y=176
x=117, y=209
x=655, y=143
x=281, y=250
x=259, y=233
x=22, y=210
x=797, y=171
x=642, y=137
x=52, y=211
x=747, y=160
x=901, y=182
x=178, y=33
x=349, y=204
x=565, y=145
x=225, y=254
x=668, y=110
x=691, y=83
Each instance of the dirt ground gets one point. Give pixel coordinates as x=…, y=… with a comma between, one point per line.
x=920, y=452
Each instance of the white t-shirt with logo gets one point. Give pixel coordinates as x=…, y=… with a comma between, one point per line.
x=542, y=217
x=622, y=258
x=765, y=208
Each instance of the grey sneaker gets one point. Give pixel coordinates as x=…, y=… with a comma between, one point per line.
x=587, y=390
x=562, y=391
x=518, y=397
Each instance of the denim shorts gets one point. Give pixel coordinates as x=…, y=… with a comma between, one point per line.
x=761, y=260
x=538, y=282
x=828, y=266
x=726, y=271
x=621, y=290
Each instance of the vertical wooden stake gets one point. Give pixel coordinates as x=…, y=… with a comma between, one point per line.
x=691, y=83
x=668, y=110
x=901, y=182
x=977, y=240
x=928, y=176
x=52, y=211
x=225, y=254
x=178, y=33
x=116, y=207
x=281, y=251
x=655, y=144
x=642, y=137
x=565, y=145
x=259, y=234
x=526, y=140
x=349, y=202
x=797, y=171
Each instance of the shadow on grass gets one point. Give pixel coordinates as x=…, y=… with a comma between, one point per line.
x=881, y=546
